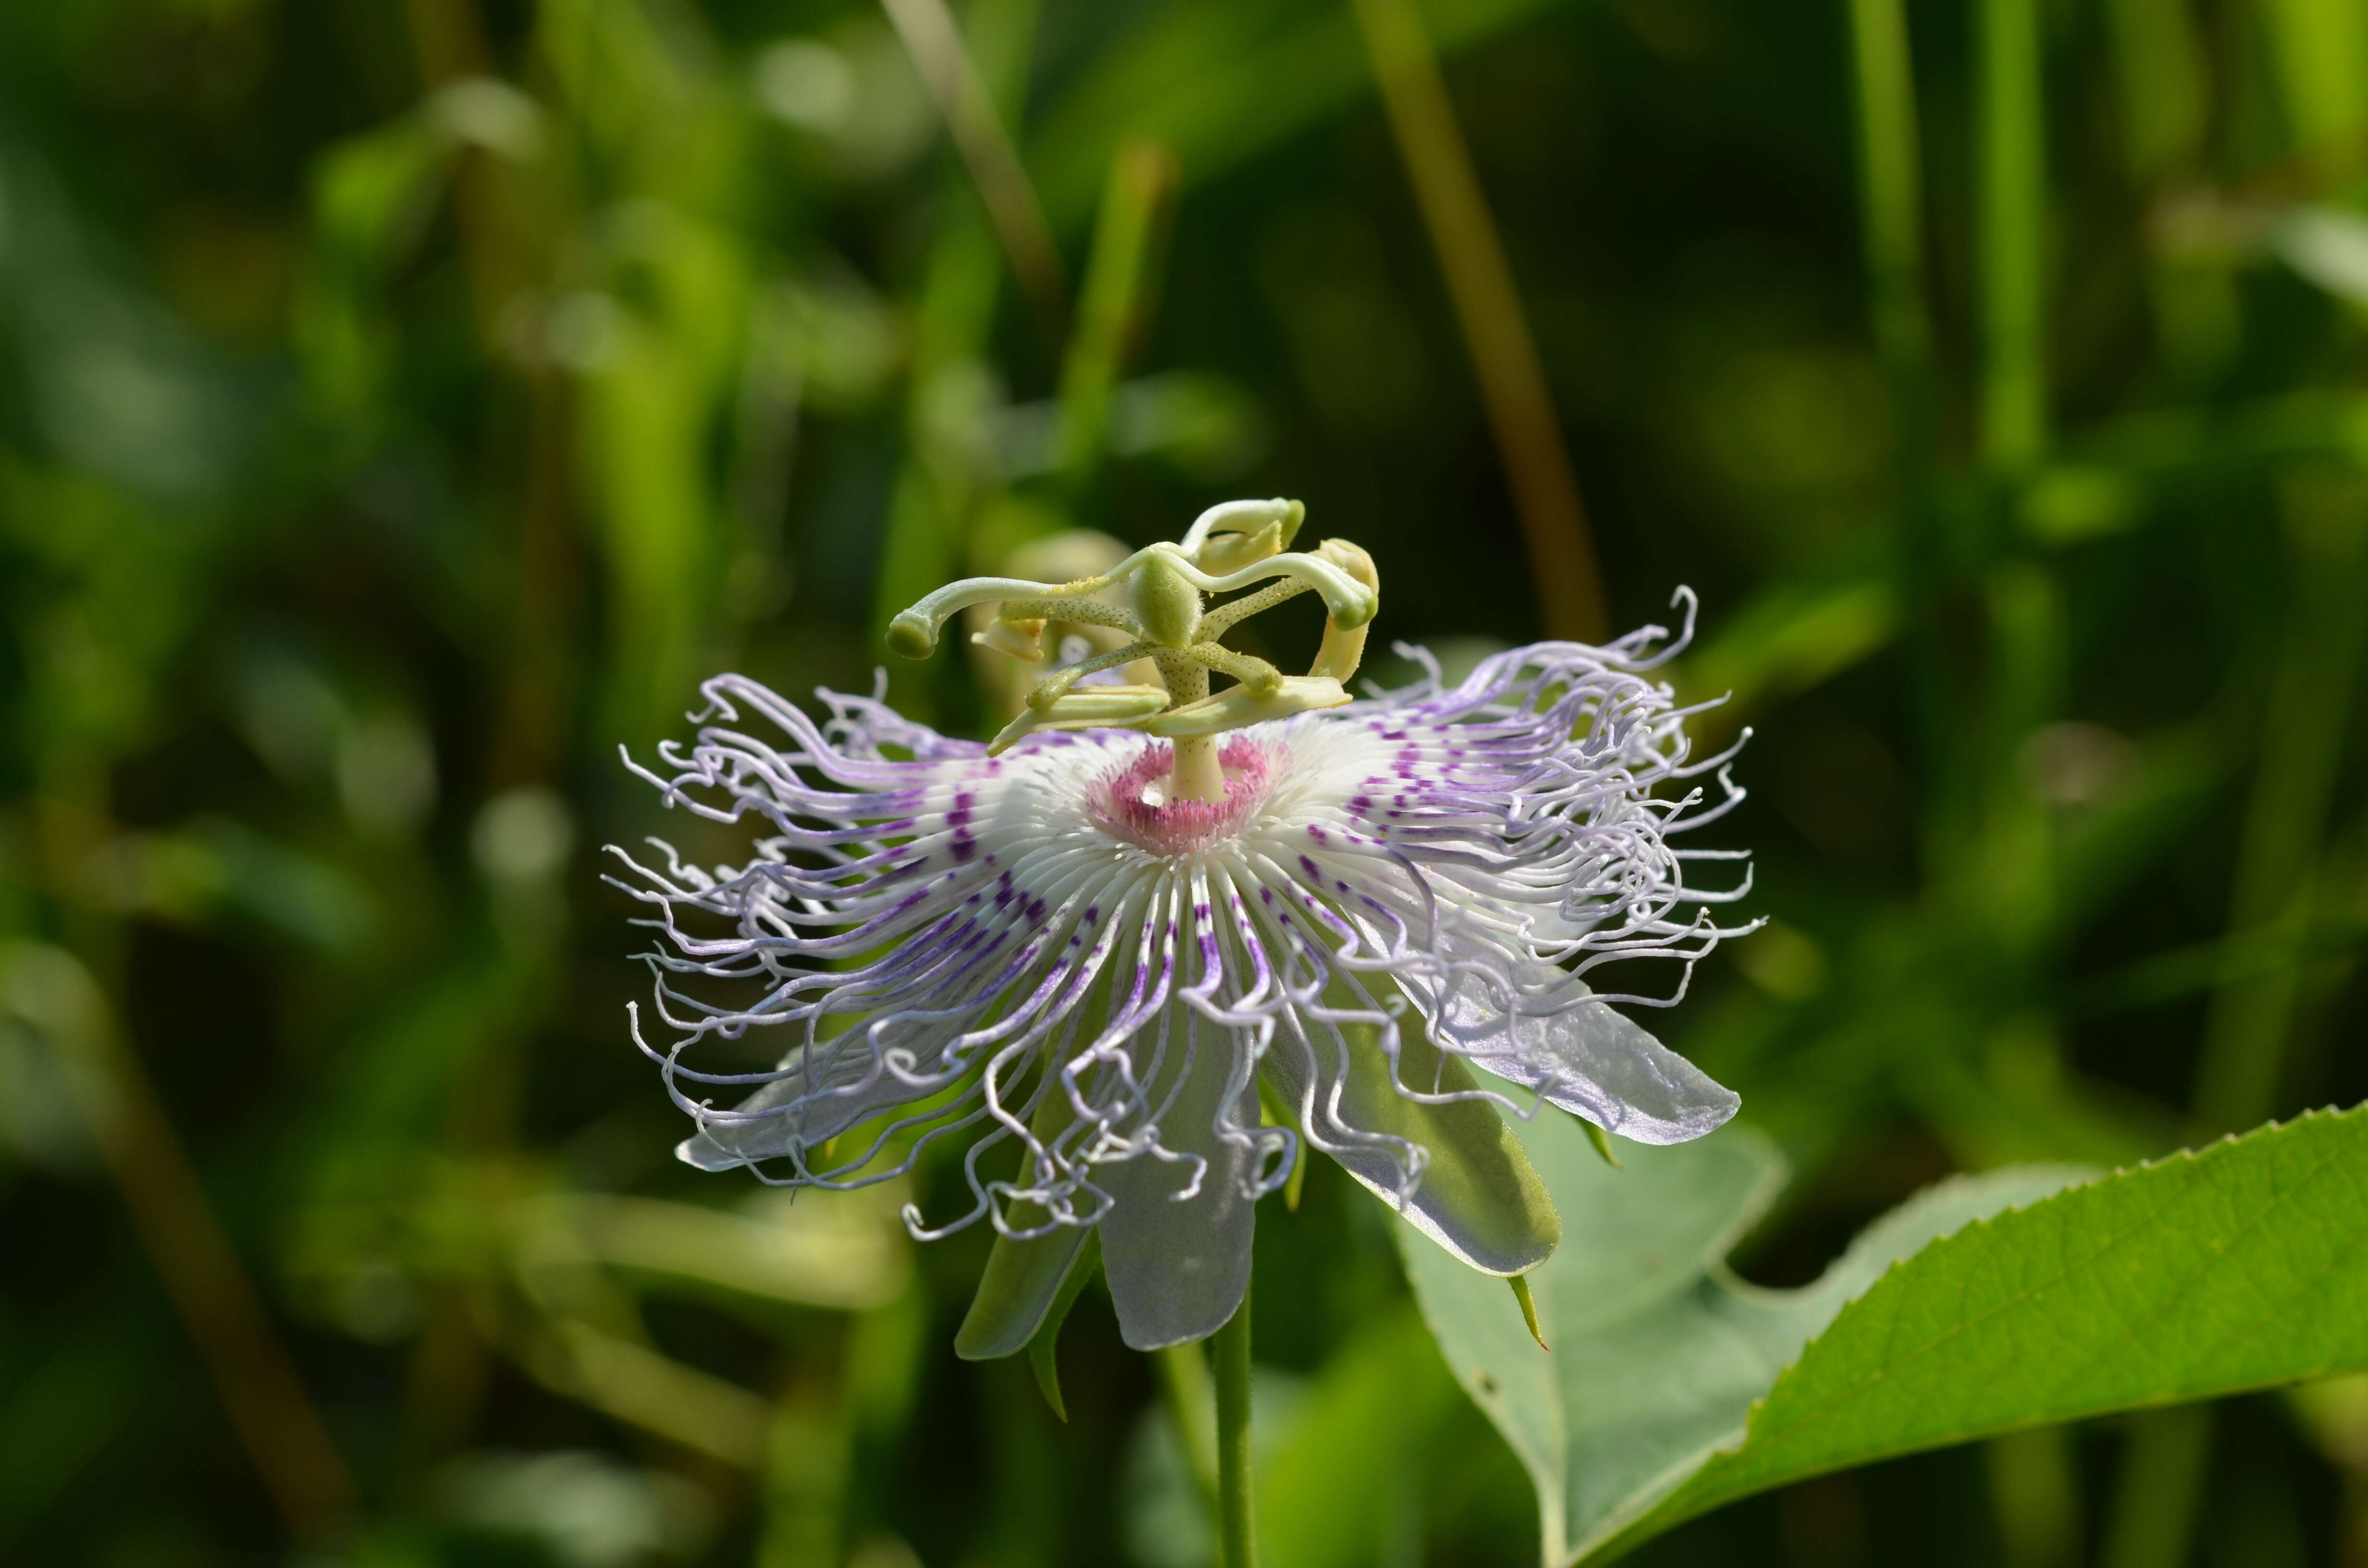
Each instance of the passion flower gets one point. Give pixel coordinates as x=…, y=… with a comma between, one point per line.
x=1150, y=944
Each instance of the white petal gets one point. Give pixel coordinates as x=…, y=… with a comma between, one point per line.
x=1580, y=1054
x=1177, y=1266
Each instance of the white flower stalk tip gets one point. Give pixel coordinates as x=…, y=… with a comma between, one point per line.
x=1083, y=947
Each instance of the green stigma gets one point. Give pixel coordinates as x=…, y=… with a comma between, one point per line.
x=1241, y=549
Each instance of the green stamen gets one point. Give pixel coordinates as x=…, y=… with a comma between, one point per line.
x=1241, y=545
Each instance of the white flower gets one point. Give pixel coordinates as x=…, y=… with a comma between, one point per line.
x=1044, y=949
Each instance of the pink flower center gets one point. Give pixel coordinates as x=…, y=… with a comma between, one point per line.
x=1132, y=802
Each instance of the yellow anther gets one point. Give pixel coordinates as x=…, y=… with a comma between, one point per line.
x=1021, y=638
x=1242, y=517
x=1230, y=552
x=1344, y=646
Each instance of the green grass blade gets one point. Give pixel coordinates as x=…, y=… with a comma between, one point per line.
x=1222, y=83
x=1111, y=308
x=1891, y=216
x=2302, y=745
x=2318, y=50
x=2158, y=75
x=2011, y=195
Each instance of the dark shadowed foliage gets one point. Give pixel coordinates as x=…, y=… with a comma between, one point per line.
x=404, y=403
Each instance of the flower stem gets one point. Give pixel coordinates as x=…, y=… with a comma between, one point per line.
x=1231, y=1351
x=1184, y=1389
x=1198, y=774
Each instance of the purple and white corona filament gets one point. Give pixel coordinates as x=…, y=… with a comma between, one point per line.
x=1150, y=945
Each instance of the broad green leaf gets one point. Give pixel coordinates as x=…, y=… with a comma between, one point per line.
x=2239, y=1267
x=1659, y=1351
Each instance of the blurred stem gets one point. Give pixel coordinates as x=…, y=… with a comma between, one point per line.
x=828, y=1440
x=2011, y=197
x=274, y=1417
x=1891, y=222
x=938, y=484
x=270, y=1411
x=962, y=96
x=1141, y=181
x=1184, y=1389
x=806, y=1476
x=2013, y=862
x=448, y=40
x=446, y=1374
x=887, y=1351
x=636, y=1384
x=2161, y=1482
x=505, y=213
x=2223, y=961
x=1237, y=1527
x=528, y=745
x=2038, y=1506
x=2251, y=1021
x=1025, y=1473
x=2158, y=77
x=764, y=456
x=1891, y=239
x=1488, y=306
x=2162, y=84
x=2253, y=1009
x=2319, y=56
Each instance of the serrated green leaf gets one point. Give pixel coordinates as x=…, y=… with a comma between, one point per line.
x=2239, y=1267
x=1659, y=1351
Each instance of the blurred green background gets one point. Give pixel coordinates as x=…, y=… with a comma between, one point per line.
x=404, y=402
